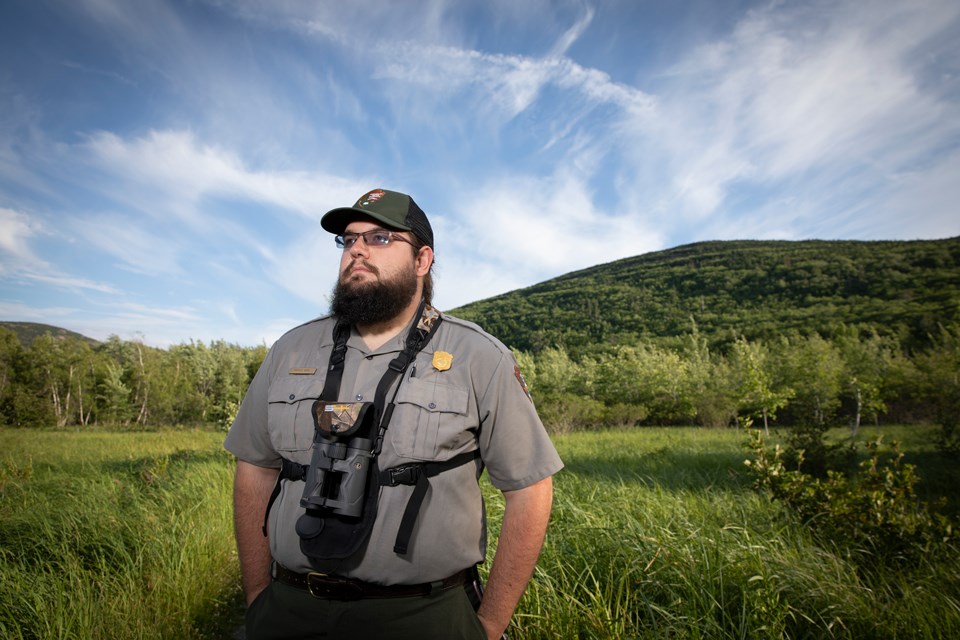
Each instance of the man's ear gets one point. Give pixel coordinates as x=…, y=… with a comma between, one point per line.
x=423, y=261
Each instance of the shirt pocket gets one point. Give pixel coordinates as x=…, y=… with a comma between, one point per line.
x=290, y=412
x=429, y=420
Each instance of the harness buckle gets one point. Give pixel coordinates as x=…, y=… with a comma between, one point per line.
x=406, y=474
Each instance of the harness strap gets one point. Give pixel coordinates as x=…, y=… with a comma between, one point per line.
x=420, y=334
x=289, y=470
x=425, y=326
x=331, y=387
x=417, y=475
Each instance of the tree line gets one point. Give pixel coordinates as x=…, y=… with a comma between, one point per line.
x=66, y=381
x=852, y=377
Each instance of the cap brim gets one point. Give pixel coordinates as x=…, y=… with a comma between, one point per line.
x=336, y=220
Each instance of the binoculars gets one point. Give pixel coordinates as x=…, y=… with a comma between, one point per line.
x=342, y=456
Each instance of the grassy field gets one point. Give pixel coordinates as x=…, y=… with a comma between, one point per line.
x=656, y=533
x=115, y=535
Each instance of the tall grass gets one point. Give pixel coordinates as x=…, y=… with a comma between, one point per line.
x=656, y=533
x=122, y=535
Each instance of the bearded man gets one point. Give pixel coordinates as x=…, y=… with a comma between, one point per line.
x=360, y=444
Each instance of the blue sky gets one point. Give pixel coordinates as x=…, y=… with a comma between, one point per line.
x=164, y=164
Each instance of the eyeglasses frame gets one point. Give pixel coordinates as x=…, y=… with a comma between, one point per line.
x=340, y=238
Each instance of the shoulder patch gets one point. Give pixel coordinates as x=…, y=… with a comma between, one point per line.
x=523, y=382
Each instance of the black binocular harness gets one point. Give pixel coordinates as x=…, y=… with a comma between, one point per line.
x=415, y=474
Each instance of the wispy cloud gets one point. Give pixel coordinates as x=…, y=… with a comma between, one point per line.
x=113, y=75
x=571, y=35
x=798, y=93
x=181, y=171
x=20, y=261
x=67, y=282
x=33, y=313
x=16, y=230
x=536, y=228
x=178, y=201
x=540, y=136
x=138, y=246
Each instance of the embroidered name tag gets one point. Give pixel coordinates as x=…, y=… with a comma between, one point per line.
x=303, y=371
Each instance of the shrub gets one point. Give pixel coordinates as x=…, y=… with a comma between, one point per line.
x=808, y=451
x=566, y=412
x=871, y=514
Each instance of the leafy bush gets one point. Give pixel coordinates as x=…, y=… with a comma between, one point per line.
x=809, y=451
x=622, y=414
x=566, y=412
x=872, y=514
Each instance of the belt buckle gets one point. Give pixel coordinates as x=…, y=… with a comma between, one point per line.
x=322, y=585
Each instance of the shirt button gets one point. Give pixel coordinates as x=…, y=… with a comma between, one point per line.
x=433, y=405
x=292, y=396
x=359, y=397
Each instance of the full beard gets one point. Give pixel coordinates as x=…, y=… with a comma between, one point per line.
x=368, y=303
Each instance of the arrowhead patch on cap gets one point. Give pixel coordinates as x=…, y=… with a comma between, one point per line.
x=370, y=198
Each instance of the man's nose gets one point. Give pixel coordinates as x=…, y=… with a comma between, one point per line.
x=360, y=247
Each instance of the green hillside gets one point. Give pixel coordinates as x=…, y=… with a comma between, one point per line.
x=871, y=330
x=757, y=289
x=27, y=332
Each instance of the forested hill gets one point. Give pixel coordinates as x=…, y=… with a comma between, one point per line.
x=27, y=332
x=758, y=289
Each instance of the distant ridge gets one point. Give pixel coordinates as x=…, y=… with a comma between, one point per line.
x=759, y=289
x=755, y=288
x=27, y=332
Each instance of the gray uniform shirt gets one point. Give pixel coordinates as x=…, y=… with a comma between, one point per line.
x=479, y=402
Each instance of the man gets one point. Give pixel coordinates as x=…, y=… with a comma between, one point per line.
x=376, y=523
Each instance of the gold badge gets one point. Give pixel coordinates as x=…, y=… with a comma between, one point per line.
x=442, y=360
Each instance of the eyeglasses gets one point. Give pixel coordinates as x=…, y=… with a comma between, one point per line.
x=372, y=238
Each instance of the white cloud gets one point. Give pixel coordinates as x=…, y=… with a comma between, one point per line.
x=307, y=266
x=510, y=82
x=162, y=314
x=180, y=170
x=532, y=229
x=823, y=100
x=68, y=282
x=134, y=240
x=34, y=313
x=923, y=205
x=573, y=34
x=21, y=263
x=16, y=230
x=829, y=119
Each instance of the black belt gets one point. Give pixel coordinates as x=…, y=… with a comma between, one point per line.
x=322, y=585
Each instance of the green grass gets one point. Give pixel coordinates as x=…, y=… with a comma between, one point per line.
x=656, y=533
x=115, y=535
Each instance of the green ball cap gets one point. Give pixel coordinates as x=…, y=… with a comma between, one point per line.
x=393, y=209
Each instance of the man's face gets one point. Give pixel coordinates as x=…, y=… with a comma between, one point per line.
x=362, y=264
x=377, y=283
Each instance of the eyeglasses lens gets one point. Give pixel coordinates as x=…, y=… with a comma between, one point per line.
x=373, y=238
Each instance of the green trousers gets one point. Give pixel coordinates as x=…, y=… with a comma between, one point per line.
x=282, y=611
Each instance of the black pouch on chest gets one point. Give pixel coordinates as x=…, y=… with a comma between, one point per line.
x=342, y=483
